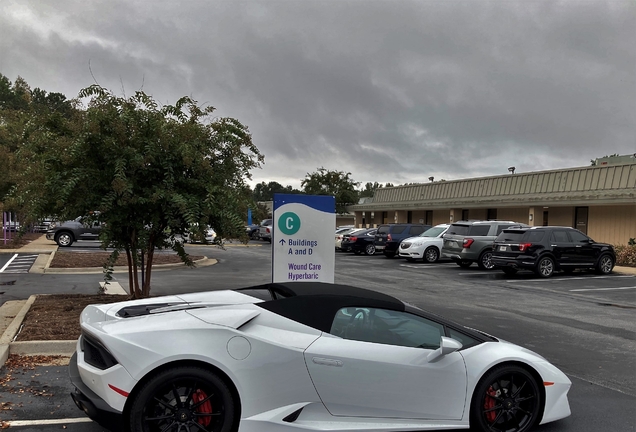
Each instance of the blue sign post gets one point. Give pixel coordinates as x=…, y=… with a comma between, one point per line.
x=302, y=238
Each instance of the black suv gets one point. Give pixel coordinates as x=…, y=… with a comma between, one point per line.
x=389, y=236
x=545, y=250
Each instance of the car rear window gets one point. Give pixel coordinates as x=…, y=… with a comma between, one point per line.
x=458, y=229
x=510, y=236
x=384, y=229
x=479, y=230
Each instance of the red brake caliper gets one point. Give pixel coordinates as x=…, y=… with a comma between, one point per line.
x=490, y=403
x=204, y=408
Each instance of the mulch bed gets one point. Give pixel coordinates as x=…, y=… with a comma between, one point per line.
x=18, y=241
x=56, y=317
x=64, y=259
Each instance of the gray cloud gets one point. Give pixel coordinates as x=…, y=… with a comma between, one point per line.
x=392, y=91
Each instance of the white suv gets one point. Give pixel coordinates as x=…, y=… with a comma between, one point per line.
x=427, y=246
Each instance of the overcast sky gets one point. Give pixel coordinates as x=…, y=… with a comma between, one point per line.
x=391, y=91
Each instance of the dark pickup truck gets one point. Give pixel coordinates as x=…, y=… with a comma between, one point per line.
x=68, y=232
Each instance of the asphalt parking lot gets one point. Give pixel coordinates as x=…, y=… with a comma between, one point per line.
x=583, y=323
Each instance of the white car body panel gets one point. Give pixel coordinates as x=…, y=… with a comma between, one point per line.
x=341, y=368
x=278, y=365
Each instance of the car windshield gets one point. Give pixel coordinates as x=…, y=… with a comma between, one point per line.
x=433, y=232
x=384, y=229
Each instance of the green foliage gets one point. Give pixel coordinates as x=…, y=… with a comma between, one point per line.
x=336, y=183
x=626, y=255
x=593, y=161
x=150, y=172
x=265, y=191
x=632, y=242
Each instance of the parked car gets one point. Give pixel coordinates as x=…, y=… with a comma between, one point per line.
x=67, y=232
x=360, y=242
x=252, y=231
x=389, y=236
x=305, y=354
x=340, y=235
x=467, y=242
x=545, y=250
x=427, y=246
x=265, y=230
x=194, y=236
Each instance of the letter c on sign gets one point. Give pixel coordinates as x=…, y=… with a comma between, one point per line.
x=289, y=223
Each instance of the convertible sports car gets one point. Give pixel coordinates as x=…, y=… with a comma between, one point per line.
x=303, y=357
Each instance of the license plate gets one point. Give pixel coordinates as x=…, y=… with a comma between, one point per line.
x=503, y=248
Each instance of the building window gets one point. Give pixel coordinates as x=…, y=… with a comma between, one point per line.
x=492, y=214
x=384, y=217
x=465, y=214
x=545, y=218
x=409, y=217
x=429, y=217
x=580, y=219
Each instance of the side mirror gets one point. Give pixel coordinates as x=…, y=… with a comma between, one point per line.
x=446, y=346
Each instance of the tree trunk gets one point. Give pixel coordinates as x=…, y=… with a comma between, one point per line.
x=151, y=255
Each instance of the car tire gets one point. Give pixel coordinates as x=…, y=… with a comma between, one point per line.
x=464, y=263
x=507, y=398
x=255, y=235
x=431, y=255
x=389, y=254
x=545, y=267
x=357, y=252
x=509, y=271
x=485, y=260
x=200, y=391
x=369, y=249
x=64, y=239
x=605, y=264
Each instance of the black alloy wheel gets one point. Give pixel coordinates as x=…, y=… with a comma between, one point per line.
x=431, y=255
x=485, y=260
x=507, y=399
x=255, y=235
x=545, y=267
x=605, y=264
x=464, y=263
x=64, y=239
x=509, y=271
x=183, y=399
x=369, y=249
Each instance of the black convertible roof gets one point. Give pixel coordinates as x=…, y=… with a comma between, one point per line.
x=315, y=304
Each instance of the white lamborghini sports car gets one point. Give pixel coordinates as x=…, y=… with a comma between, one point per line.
x=303, y=357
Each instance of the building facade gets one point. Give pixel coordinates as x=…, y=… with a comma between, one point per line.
x=598, y=200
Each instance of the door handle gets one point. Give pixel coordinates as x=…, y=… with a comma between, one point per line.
x=327, y=362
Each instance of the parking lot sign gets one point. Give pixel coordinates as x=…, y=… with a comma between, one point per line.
x=303, y=238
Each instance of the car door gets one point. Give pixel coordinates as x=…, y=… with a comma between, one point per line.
x=562, y=247
x=374, y=364
x=583, y=248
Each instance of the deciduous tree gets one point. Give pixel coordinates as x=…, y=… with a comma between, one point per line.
x=149, y=173
x=336, y=183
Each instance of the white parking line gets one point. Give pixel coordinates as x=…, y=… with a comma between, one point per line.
x=8, y=262
x=603, y=289
x=47, y=422
x=568, y=278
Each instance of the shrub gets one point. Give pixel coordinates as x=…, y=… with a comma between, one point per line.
x=626, y=255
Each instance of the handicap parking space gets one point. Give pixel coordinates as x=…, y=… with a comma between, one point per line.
x=17, y=263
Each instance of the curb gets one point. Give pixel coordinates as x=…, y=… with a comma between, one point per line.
x=12, y=330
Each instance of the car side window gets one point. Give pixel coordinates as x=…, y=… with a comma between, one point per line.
x=559, y=236
x=416, y=230
x=386, y=327
x=398, y=229
x=500, y=228
x=578, y=237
